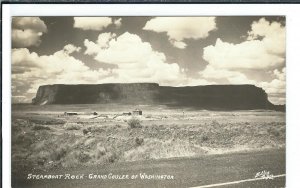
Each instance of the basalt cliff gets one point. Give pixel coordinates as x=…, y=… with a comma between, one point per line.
x=211, y=97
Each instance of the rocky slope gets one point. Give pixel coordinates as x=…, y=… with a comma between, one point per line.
x=214, y=97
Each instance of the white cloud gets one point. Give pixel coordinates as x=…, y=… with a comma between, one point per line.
x=70, y=48
x=102, y=42
x=277, y=87
x=246, y=55
x=232, y=77
x=27, y=31
x=195, y=82
x=58, y=68
x=136, y=60
x=180, y=28
x=178, y=44
x=264, y=49
x=273, y=35
x=253, y=53
x=117, y=22
x=92, y=23
x=19, y=99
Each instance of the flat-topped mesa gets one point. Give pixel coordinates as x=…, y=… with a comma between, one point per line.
x=218, y=97
x=100, y=93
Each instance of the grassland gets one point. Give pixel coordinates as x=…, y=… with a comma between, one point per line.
x=43, y=138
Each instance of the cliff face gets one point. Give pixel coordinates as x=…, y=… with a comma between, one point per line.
x=203, y=97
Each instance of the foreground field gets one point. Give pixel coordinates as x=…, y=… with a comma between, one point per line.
x=206, y=170
x=44, y=138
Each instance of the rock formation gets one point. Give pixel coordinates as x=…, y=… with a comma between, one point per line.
x=212, y=97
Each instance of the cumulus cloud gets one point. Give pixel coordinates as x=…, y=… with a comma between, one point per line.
x=232, y=77
x=92, y=23
x=70, y=48
x=58, y=68
x=136, y=60
x=27, y=31
x=19, y=99
x=180, y=28
x=102, y=42
x=117, y=22
x=273, y=34
x=178, y=44
x=196, y=82
x=253, y=53
x=277, y=87
x=264, y=49
x=246, y=55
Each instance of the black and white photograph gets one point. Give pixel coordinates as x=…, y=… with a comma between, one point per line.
x=148, y=101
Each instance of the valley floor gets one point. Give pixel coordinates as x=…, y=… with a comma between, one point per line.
x=44, y=139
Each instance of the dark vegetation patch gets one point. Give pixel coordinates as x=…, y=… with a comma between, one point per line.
x=134, y=123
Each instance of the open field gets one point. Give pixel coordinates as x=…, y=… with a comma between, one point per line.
x=44, y=138
x=187, y=172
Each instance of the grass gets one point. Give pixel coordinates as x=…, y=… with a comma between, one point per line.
x=99, y=142
x=43, y=120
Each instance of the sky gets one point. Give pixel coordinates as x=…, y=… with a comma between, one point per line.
x=170, y=51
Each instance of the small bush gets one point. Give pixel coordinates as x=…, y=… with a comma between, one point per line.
x=274, y=132
x=204, y=138
x=96, y=129
x=93, y=129
x=85, y=131
x=134, y=123
x=112, y=157
x=215, y=123
x=40, y=127
x=100, y=151
x=41, y=162
x=59, y=153
x=139, y=141
x=83, y=157
x=72, y=127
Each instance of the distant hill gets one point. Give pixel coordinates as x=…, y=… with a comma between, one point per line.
x=214, y=97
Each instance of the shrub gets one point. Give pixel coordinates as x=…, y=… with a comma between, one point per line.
x=40, y=162
x=112, y=157
x=139, y=141
x=134, y=123
x=204, y=138
x=83, y=157
x=85, y=131
x=100, y=151
x=274, y=132
x=96, y=129
x=215, y=123
x=59, y=153
x=40, y=127
x=72, y=126
x=93, y=129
